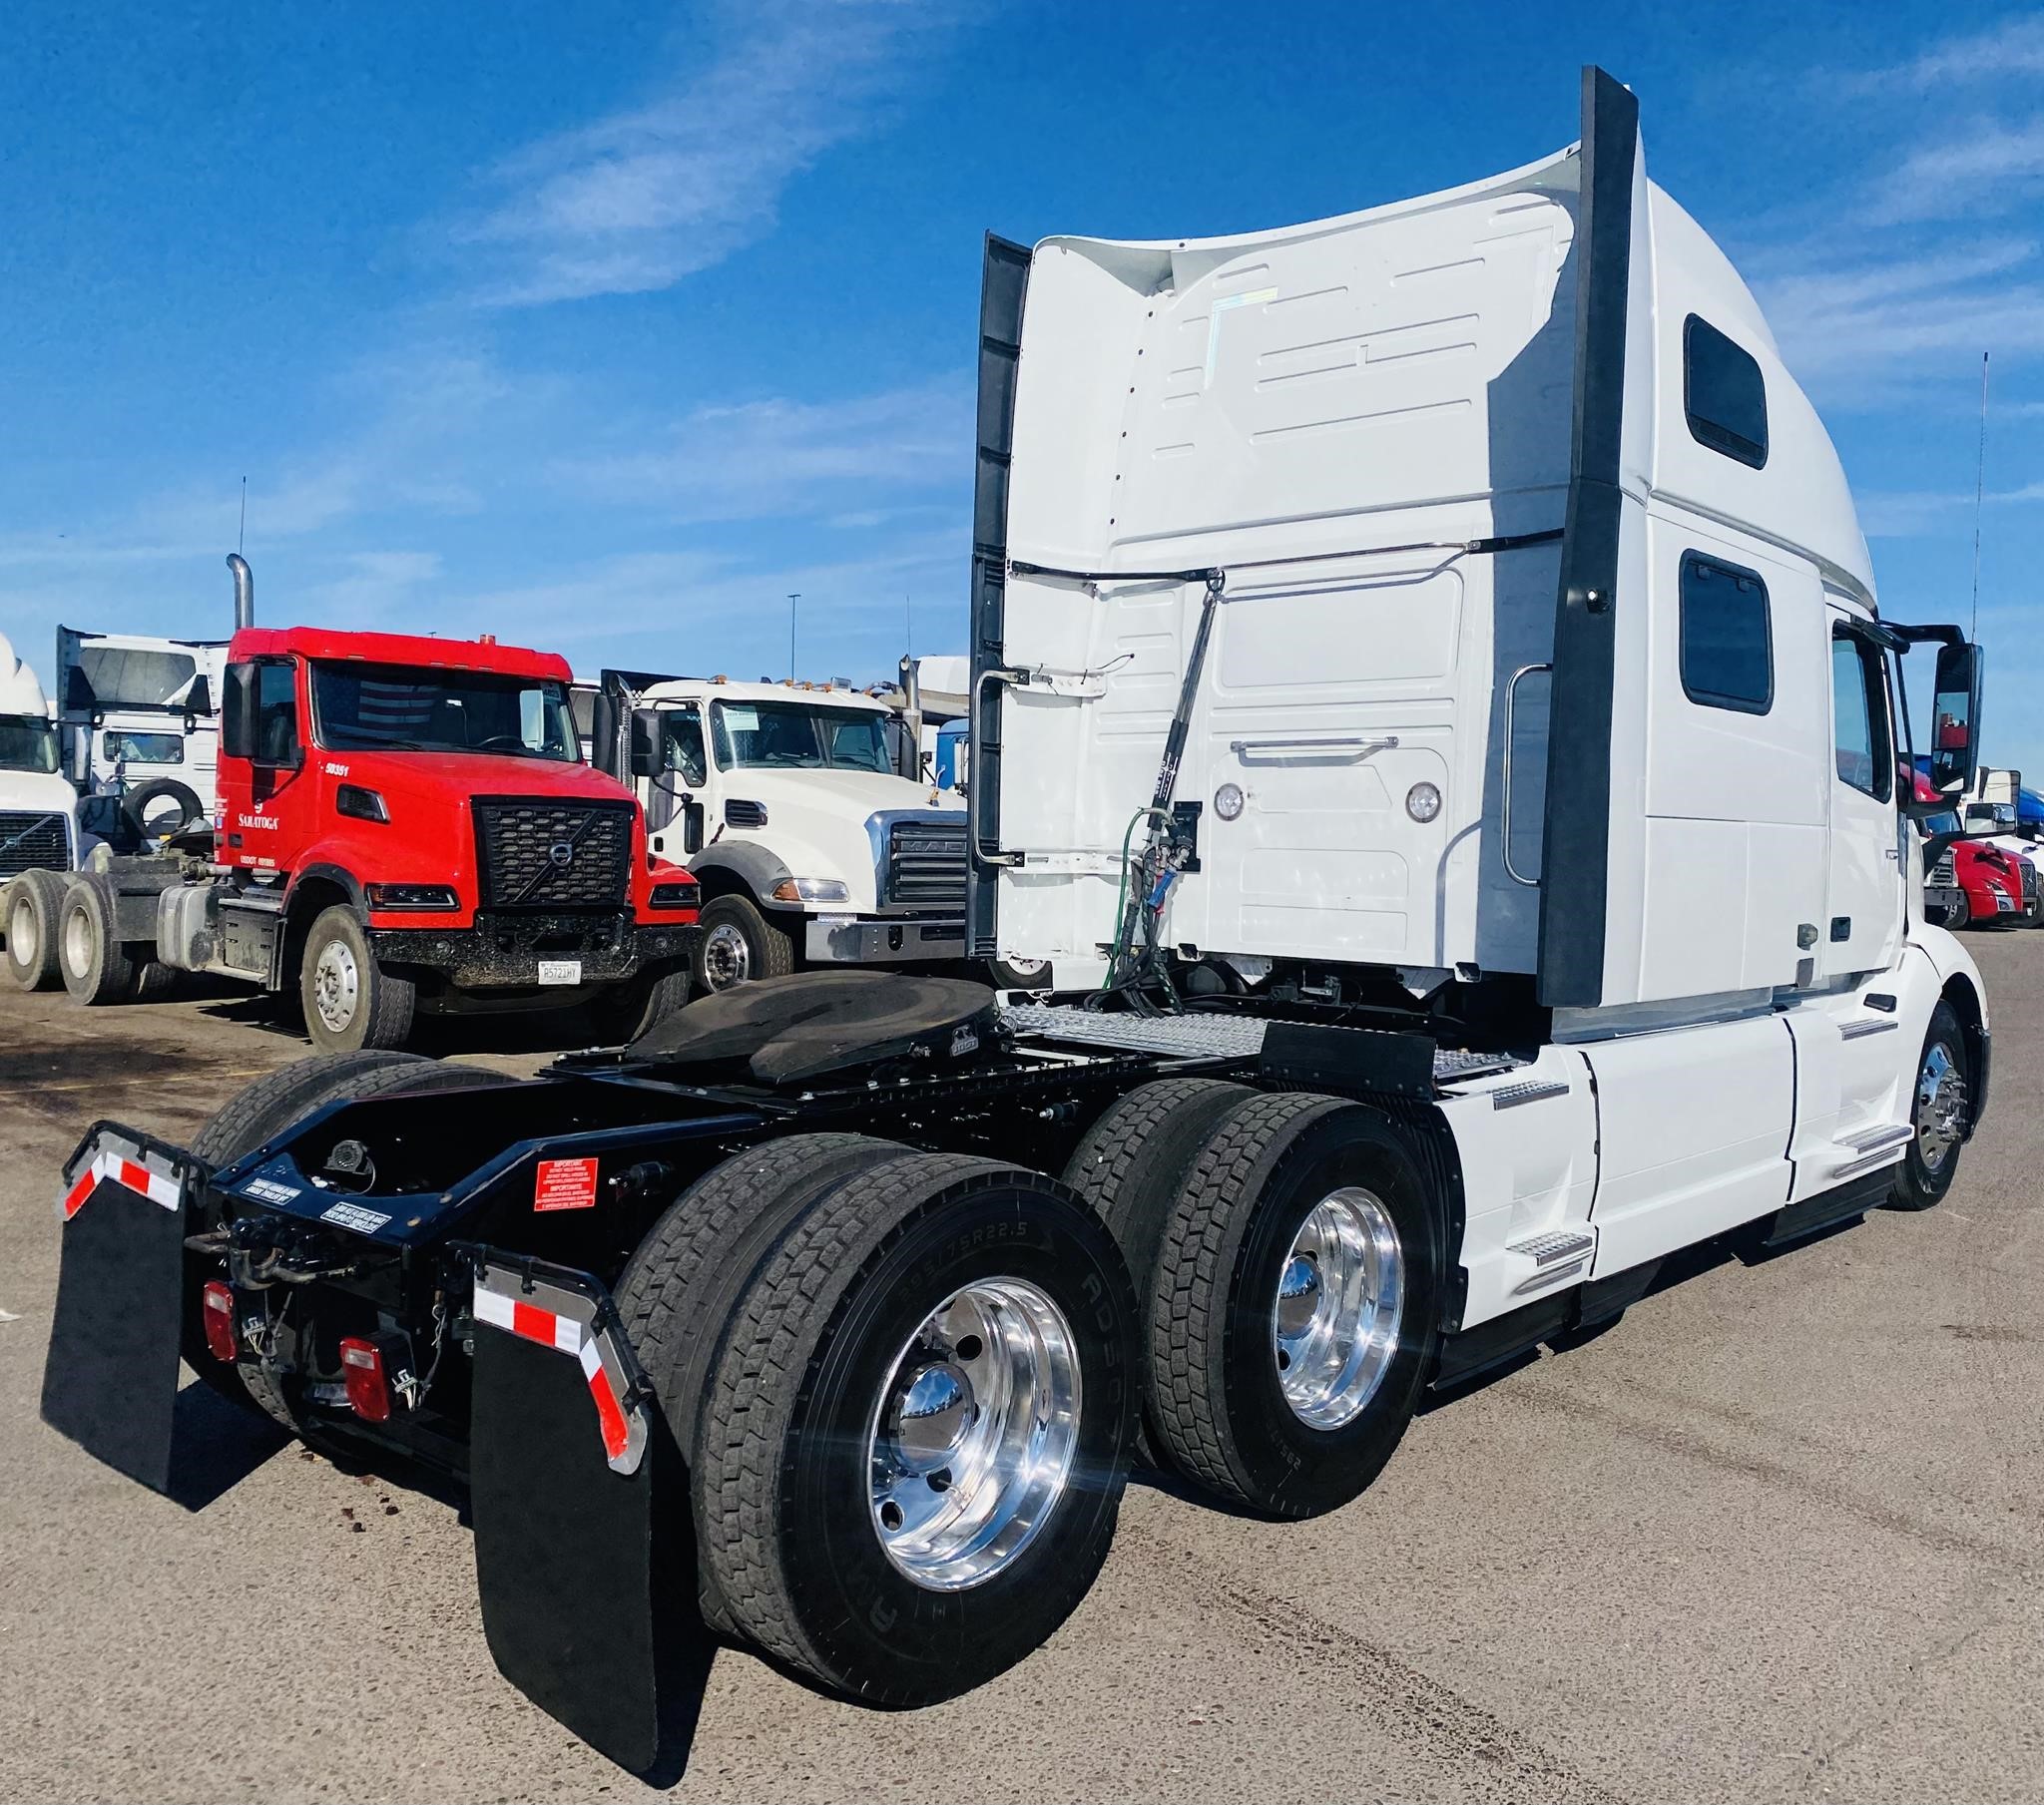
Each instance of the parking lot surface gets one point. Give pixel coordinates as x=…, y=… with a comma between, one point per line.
x=1777, y=1534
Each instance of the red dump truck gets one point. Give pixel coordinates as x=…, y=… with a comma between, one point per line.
x=405, y=825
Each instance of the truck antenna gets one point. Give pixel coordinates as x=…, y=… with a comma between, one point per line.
x=242, y=537
x=795, y=596
x=1980, y=496
x=909, y=626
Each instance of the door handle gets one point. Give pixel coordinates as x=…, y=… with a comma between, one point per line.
x=1357, y=742
x=1505, y=776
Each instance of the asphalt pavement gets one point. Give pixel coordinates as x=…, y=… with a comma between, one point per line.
x=1777, y=1534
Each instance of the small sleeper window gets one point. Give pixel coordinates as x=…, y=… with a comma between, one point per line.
x=1728, y=652
x=1723, y=394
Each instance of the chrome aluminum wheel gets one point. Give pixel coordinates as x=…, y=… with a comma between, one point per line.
x=1941, y=1106
x=972, y=1437
x=1335, y=1321
x=727, y=958
x=22, y=939
x=337, y=986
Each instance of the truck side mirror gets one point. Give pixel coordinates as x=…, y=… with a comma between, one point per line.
x=1955, y=714
x=77, y=757
x=645, y=754
x=199, y=699
x=238, y=712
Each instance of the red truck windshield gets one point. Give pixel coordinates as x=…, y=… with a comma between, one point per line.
x=408, y=708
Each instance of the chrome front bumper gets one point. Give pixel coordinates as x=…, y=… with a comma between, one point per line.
x=852, y=940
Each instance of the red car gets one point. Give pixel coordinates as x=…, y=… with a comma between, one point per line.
x=1973, y=881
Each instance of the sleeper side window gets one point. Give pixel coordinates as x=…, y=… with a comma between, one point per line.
x=1859, y=718
x=1728, y=652
x=1723, y=394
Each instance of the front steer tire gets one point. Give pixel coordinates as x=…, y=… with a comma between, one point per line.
x=351, y=1003
x=815, y=1351
x=1932, y=1161
x=29, y=908
x=634, y=1007
x=739, y=944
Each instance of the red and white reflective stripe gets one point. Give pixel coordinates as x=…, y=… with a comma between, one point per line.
x=568, y=1336
x=124, y=1171
x=610, y=1408
x=522, y=1318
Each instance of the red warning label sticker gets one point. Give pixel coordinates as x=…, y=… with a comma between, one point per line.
x=564, y=1184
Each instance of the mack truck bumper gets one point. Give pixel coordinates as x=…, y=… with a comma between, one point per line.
x=507, y=950
x=565, y=1446
x=878, y=940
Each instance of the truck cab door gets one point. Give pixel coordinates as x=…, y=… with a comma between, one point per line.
x=1863, y=931
x=263, y=783
x=677, y=806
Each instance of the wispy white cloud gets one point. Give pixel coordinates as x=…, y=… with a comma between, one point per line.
x=647, y=196
x=791, y=458
x=2012, y=49
x=1993, y=169
x=1909, y=514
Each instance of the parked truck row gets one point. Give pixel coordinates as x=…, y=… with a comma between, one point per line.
x=1431, y=711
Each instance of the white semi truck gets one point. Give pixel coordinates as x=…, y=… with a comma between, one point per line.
x=39, y=838
x=784, y=801
x=144, y=709
x=1429, y=682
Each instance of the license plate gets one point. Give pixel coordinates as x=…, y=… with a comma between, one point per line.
x=560, y=971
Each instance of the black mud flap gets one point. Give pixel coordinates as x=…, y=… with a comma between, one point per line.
x=109, y=1382
x=564, y=1459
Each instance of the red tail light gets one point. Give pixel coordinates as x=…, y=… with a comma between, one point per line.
x=368, y=1391
x=217, y=1313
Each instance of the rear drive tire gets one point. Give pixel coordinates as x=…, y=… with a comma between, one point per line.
x=939, y=1335
x=738, y=943
x=1133, y=1163
x=351, y=1003
x=29, y=908
x=677, y=1292
x=1294, y=1306
x=96, y=967
x=1937, y=1106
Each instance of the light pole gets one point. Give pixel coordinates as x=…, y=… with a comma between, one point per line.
x=792, y=598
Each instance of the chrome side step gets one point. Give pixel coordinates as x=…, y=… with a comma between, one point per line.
x=1558, y=1255
x=1871, y=1147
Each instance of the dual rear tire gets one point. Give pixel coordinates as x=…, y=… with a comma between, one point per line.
x=1289, y=1273
x=905, y=1385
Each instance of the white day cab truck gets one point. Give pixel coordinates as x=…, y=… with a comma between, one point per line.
x=1416, y=656
x=39, y=838
x=789, y=804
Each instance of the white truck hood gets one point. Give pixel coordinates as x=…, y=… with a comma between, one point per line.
x=816, y=821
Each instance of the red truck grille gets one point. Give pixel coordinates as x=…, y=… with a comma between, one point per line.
x=534, y=853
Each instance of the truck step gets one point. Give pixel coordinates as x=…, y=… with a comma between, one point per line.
x=1870, y=1147
x=1557, y=1254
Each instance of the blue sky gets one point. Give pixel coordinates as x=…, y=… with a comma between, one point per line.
x=603, y=327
